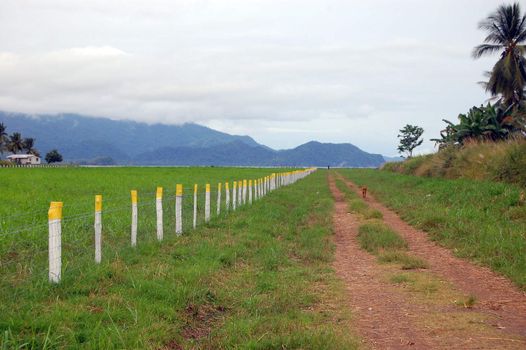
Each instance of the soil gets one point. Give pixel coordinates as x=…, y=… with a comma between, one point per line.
x=391, y=316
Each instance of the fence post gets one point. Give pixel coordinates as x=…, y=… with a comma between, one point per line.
x=207, y=203
x=234, y=196
x=195, y=207
x=239, y=193
x=159, y=211
x=98, y=228
x=134, y=218
x=227, y=197
x=179, y=209
x=250, y=192
x=218, y=199
x=245, y=191
x=55, y=241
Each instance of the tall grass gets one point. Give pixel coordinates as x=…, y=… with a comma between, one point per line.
x=480, y=160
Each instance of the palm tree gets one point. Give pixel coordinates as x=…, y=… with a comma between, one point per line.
x=506, y=28
x=3, y=138
x=15, y=143
x=29, y=146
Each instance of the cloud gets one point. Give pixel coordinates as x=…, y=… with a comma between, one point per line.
x=341, y=71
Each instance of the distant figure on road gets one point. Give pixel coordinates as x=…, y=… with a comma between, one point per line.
x=364, y=192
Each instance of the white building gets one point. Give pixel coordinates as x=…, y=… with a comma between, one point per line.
x=24, y=159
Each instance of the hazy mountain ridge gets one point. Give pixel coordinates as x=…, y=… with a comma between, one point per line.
x=88, y=139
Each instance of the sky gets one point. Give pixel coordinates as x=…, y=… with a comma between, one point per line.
x=282, y=71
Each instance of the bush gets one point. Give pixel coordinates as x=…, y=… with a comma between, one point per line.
x=512, y=166
x=479, y=160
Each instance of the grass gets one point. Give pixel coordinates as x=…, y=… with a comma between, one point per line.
x=468, y=302
x=376, y=237
x=401, y=278
x=357, y=205
x=259, y=278
x=408, y=262
x=480, y=160
x=482, y=221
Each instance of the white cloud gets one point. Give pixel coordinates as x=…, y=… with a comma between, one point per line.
x=284, y=72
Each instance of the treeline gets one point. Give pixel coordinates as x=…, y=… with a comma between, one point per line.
x=15, y=143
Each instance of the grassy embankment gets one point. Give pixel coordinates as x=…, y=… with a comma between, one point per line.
x=491, y=161
x=257, y=278
x=483, y=221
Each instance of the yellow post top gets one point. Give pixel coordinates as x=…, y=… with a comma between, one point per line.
x=159, y=193
x=244, y=183
x=134, y=196
x=195, y=188
x=250, y=183
x=178, y=190
x=98, y=203
x=55, y=211
x=226, y=186
x=235, y=184
x=219, y=186
x=207, y=188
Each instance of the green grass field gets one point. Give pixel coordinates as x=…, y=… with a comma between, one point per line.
x=258, y=278
x=483, y=221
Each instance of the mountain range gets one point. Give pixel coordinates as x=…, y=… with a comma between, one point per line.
x=95, y=140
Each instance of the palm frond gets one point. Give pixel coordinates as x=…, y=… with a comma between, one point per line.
x=485, y=49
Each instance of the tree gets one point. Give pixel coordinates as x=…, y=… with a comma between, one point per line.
x=491, y=122
x=506, y=28
x=29, y=146
x=15, y=143
x=410, y=139
x=3, y=138
x=53, y=157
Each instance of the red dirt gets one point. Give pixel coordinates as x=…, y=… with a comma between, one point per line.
x=389, y=317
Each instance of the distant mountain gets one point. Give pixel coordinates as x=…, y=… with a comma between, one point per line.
x=323, y=154
x=92, y=140
x=83, y=138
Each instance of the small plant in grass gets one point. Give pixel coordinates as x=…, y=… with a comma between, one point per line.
x=408, y=262
x=401, y=278
x=357, y=206
x=376, y=236
x=468, y=303
x=373, y=214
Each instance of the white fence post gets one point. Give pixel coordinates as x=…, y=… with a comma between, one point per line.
x=218, y=199
x=239, y=193
x=179, y=209
x=245, y=191
x=207, y=203
x=250, y=192
x=98, y=228
x=159, y=211
x=134, y=218
x=227, y=197
x=55, y=241
x=234, y=195
x=195, y=207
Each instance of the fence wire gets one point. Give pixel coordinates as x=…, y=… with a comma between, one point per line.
x=30, y=254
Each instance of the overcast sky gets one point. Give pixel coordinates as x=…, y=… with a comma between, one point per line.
x=282, y=71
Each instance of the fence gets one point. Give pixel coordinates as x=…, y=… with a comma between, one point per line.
x=69, y=237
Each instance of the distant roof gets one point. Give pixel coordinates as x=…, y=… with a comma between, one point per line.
x=20, y=156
